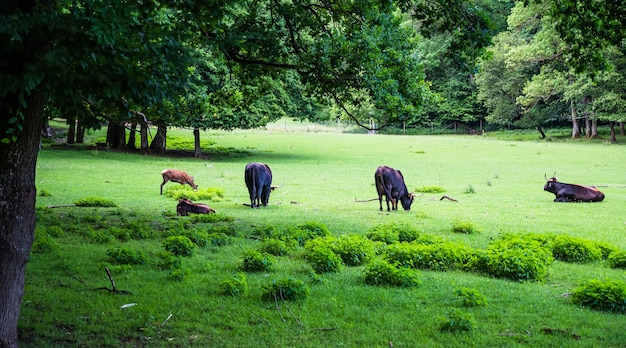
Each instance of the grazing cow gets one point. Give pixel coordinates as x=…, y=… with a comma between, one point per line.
x=258, y=177
x=390, y=183
x=572, y=192
x=185, y=206
x=177, y=176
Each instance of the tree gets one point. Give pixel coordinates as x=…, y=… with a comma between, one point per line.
x=129, y=56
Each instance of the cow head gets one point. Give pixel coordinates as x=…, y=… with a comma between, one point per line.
x=406, y=201
x=549, y=186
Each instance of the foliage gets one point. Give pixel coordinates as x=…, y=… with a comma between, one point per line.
x=386, y=233
x=220, y=239
x=274, y=246
x=381, y=272
x=95, y=202
x=608, y=295
x=211, y=218
x=179, y=274
x=571, y=249
x=44, y=242
x=513, y=258
x=430, y=189
x=44, y=193
x=457, y=321
x=179, y=245
x=438, y=256
x=285, y=289
x=169, y=261
x=304, y=232
x=464, y=226
x=354, y=250
x=617, y=259
x=254, y=261
x=236, y=286
x=471, y=297
x=322, y=258
x=214, y=194
x=125, y=256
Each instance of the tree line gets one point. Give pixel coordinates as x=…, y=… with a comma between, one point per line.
x=226, y=64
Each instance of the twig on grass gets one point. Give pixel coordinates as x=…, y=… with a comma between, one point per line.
x=278, y=308
x=364, y=200
x=76, y=277
x=113, y=288
x=448, y=198
x=264, y=320
x=290, y=312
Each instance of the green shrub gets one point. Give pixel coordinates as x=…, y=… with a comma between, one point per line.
x=169, y=261
x=179, y=274
x=287, y=289
x=513, y=258
x=617, y=259
x=323, y=260
x=254, y=261
x=183, y=191
x=95, y=202
x=223, y=229
x=457, y=321
x=138, y=229
x=274, y=246
x=101, y=236
x=124, y=256
x=407, y=233
x=44, y=243
x=606, y=249
x=381, y=272
x=179, y=245
x=466, y=227
x=437, y=257
x=236, y=286
x=55, y=231
x=267, y=231
x=44, y=193
x=470, y=190
x=471, y=297
x=430, y=189
x=386, y=233
x=572, y=249
x=302, y=233
x=354, y=250
x=220, y=239
x=211, y=218
x=607, y=295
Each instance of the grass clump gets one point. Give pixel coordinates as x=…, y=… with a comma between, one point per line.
x=44, y=242
x=607, y=295
x=274, y=247
x=617, y=259
x=236, y=286
x=381, y=272
x=513, y=258
x=437, y=257
x=124, y=256
x=95, y=202
x=179, y=245
x=430, y=189
x=255, y=261
x=302, y=233
x=44, y=193
x=471, y=297
x=572, y=249
x=211, y=218
x=386, y=233
x=169, y=261
x=457, y=321
x=286, y=289
x=177, y=192
x=465, y=227
x=322, y=258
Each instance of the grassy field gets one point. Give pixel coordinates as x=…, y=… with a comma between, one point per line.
x=498, y=185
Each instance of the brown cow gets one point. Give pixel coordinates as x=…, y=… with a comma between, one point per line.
x=177, y=176
x=390, y=183
x=185, y=206
x=572, y=192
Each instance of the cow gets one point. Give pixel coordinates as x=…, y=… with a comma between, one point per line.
x=390, y=183
x=177, y=176
x=258, y=177
x=572, y=192
x=185, y=206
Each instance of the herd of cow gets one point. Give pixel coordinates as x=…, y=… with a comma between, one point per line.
x=389, y=183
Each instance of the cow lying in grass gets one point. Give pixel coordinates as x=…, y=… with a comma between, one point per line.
x=572, y=192
x=185, y=206
x=177, y=176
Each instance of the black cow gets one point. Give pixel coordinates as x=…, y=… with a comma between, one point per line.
x=185, y=206
x=390, y=183
x=258, y=178
x=572, y=192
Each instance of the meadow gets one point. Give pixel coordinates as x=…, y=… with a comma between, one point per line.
x=497, y=183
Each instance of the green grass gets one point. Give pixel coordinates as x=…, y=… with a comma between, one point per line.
x=323, y=173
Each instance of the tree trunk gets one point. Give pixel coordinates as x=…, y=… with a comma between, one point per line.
x=594, y=129
x=143, y=133
x=575, y=126
x=71, y=131
x=612, y=126
x=131, y=137
x=197, y=152
x=622, y=132
x=543, y=135
x=18, y=161
x=80, y=133
x=116, y=135
x=587, y=127
x=158, y=143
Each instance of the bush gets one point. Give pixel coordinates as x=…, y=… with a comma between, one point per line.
x=300, y=234
x=219, y=239
x=179, y=245
x=572, y=249
x=322, y=259
x=430, y=189
x=138, y=229
x=437, y=257
x=617, y=259
x=236, y=286
x=179, y=274
x=608, y=295
x=95, y=202
x=407, y=233
x=44, y=243
x=167, y=260
x=274, y=246
x=381, y=272
x=513, y=258
x=466, y=227
x=183, y=191
x=211, y=218
x=254, y=261
x=287, y=289
x=386, y=233
x=354, y=250
x=471, y=297
x=123, y=256
x=457, y=321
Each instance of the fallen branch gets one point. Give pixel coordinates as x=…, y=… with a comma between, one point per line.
x=278, y=308
x=75, y=277
x=290, y=312
x=61, y=205
x=448, y=198
x=113, y=288
x=365, y=200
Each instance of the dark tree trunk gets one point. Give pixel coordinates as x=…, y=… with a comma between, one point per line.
x=622, y=132
x=197, y=152
x=131, y=137
x=17, y=212
x=575, y=126
x=116, y=135
x=587, y=127
x=158, y=143
x=143, y=134
x=71, y=131
x=543, y=135
x=612, y=126
x=80, y=133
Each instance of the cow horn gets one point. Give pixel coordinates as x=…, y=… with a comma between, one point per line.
x=275, y=187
